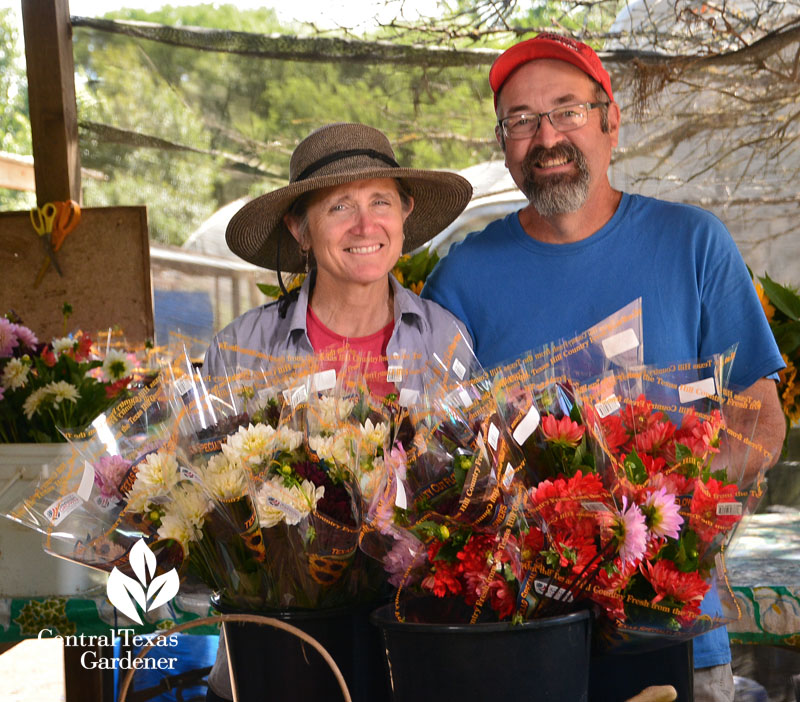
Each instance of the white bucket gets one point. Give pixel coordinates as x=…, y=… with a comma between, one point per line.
x=25, y=569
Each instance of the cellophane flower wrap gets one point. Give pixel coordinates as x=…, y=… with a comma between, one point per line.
x=61, y=384
x=283, y=504
x=679, y=455
x=446, y=523
x=96, y=505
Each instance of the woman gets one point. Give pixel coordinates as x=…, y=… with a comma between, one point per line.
x=348, y=212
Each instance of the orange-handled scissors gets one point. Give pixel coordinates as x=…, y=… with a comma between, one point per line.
x=42, y=219
x=69, y=214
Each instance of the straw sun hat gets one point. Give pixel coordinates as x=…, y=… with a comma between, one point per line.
x=332, y=155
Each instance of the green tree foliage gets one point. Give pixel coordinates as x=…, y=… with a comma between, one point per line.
x=15, y=128
x=242, y=116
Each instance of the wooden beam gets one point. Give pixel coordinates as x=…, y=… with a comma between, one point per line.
x=51, y=98
x=16, y=172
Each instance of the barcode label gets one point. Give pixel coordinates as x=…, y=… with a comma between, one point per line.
x=459, y=369
x=552, y=591
x=729, y=509
x=607, y=406
x=595, y=507
x=394, y=374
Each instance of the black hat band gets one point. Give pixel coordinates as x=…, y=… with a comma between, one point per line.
x=339, y=155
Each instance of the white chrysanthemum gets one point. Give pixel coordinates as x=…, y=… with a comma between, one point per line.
x=174, y=526
x=62, y=390
x=225, y=479
x=34, y=401
x=370, y=478
x=332, y=448
x=192, y=504
x=287, y=439
x=374, y=434
x=333, y=410
x=250, y=445
x=62, y=345
x=276, y=503
x=139, y=499
x=116, y=365
x=15, y=374
x=157, y=474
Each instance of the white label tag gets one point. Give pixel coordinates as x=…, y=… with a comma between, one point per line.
x=620, y=343
x=553, y=591
x=607, y=406
x=691, y=392
x=729, y=509
x=189, y=474
x=84, y=490
x=463, y=395
x=508, y=476
x=407, y=397
x=459, y=369
x=527, y=426
x=492, y=436
x=324, y=380
x=105, y=504
x=394, y=374
x=400, y=499
x=183, y=385
x=62, y=507
x=294, y=396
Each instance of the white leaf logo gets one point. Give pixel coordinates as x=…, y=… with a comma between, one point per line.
x=125, y=593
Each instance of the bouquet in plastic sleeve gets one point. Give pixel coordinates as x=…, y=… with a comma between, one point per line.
x=446, y=522
x=96, y=505
x=678, y=452
x=281, y=528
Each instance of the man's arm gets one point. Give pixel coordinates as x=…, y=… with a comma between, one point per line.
x=770, y=429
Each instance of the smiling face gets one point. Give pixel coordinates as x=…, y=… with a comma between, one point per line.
x=355, y=230
x=557, y=171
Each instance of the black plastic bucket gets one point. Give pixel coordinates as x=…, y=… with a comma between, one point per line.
x=275, y=666
x=621, y=675
x=539, y=660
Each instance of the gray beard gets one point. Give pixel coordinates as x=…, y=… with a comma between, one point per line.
x=555, y=195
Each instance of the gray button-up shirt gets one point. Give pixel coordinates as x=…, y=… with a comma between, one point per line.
x=421, y=328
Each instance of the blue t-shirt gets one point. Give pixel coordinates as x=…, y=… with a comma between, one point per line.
x=515, y=293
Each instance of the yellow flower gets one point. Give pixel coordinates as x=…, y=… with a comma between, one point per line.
x=769, y=310
x=417, y=287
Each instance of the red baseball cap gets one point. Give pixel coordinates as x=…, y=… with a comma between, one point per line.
x=548, y=46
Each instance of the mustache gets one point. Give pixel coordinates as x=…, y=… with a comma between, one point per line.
x=564, y=150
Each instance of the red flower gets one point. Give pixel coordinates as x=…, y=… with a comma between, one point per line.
x=562, y=431
x=443, y=578
x=49, y=357
x=115, y=389
x=707, y=517
x=686, y=588
x=476, y=554
x=656, y=440
x=81, y=351
x=615, y=434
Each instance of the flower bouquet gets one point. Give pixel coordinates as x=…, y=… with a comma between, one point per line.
x=678, y=451
x=62, y=384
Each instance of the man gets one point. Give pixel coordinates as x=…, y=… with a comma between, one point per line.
x=580, y=250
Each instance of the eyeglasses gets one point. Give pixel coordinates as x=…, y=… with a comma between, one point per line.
x=564, y=119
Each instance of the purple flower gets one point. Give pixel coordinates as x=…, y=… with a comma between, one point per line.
x=109, y=472
x=25, y=336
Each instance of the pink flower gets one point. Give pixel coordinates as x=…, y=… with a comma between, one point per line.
x=562, y=431
x=109, y=472
x=630, y=532
x=661, y=513
x=8, y=338
x=26, y=336
x=405, y=554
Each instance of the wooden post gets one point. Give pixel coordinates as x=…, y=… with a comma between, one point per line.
x=51, y=97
